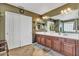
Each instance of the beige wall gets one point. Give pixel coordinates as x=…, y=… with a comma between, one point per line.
x=2, y=31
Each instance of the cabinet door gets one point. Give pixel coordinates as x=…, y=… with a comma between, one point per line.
x=52, y=42
x=57, y=44
x=43, y=40
x=62, y=44
x=77, y=48
x=69, y=49
x=38, y=38
x=48, y=42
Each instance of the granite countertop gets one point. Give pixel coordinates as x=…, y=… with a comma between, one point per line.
x=64, y=35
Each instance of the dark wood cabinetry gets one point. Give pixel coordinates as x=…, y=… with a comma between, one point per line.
x=56, y=44
x=77, y=48
x=48, y=42
x=42, y=40
x=62, y=45
x=66, y=46
x=69, y=49
x=38, y=38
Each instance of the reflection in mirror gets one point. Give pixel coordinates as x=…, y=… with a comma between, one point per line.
x=50, y=26
x=78, y=25
x=69, y=23
x=69, y=26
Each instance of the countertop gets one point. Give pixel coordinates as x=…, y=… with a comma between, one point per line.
x=63, y=35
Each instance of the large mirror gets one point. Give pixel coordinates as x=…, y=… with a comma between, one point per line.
x=68, y=22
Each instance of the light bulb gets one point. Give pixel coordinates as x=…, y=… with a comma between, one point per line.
x=65, y=11
x=37, y=19
x=45, y=17
x=62, y=11
x=68, y=9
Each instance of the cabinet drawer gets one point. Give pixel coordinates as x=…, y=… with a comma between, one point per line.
x=69, y=49
x=69, y=40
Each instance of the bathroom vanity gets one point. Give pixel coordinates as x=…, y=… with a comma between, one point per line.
x=67, y=44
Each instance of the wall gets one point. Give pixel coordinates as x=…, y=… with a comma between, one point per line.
x=2, y=31
x=6, y=7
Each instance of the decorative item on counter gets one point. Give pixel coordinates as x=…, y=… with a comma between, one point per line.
x=51, y=27
x=61, y=29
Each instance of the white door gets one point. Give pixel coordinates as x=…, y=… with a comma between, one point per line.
x=18, y=30
x=17, y=39
x=26, y=30
x=9, y=29
x=12, y=29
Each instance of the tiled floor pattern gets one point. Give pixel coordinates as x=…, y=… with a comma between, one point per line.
x=48, y=50
x=32, y=50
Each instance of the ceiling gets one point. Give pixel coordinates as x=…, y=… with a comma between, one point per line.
x=39, y=8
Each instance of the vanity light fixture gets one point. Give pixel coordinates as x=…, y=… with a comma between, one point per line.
x=65, y=11
x=38, y=20
x=45, y=17
x=62, y=11
x=68, y=9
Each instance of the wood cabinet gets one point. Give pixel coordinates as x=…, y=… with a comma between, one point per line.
x=66, y=46
x=77, y=48
x=56, y=44
x=42, y=40
x=48, y=42
x=69, y=49
x=62, y=45
x=38, y=38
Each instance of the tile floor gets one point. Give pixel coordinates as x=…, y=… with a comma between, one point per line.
x=32, y=50
x=49, y=51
